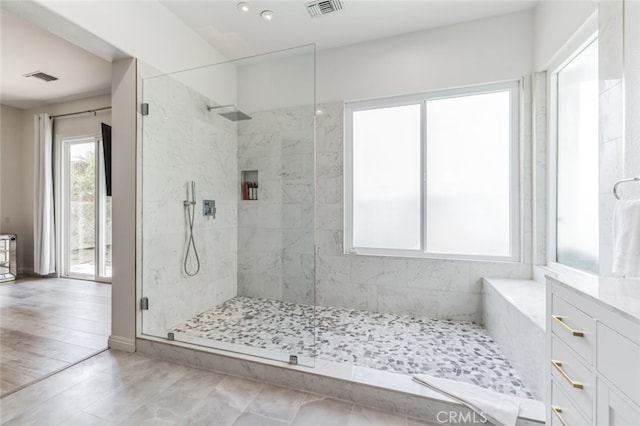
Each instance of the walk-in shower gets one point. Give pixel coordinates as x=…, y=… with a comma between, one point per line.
x=274, y=281
x=222, y=128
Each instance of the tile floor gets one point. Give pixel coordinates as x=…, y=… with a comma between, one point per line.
x=410, y=345
x=118, y=388
x=50, y=323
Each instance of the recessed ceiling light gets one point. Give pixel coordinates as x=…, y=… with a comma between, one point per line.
x=267, y=15
x=243, y=7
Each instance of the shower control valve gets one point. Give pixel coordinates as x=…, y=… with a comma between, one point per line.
x=209, y=208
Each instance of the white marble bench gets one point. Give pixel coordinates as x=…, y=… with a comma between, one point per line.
x=514, y=315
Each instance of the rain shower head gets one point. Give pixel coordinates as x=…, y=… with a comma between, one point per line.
x=233, y=115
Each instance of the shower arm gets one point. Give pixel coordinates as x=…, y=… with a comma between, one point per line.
x=209, y=108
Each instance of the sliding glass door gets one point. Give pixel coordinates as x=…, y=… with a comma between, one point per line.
x=86, y=211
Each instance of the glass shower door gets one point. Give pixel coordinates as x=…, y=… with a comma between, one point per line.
x=227, y=223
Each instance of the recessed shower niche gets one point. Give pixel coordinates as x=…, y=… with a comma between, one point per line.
x=249, y=185
x=245, y=128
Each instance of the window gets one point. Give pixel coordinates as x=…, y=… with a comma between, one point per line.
x=577, y=161
x=386, y=177
x=434, y=175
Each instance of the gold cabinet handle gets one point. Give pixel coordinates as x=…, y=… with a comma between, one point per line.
x=558, y=412
x=560, y=320
x=558, y=366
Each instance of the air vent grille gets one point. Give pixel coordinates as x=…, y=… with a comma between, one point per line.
x=41, y=76
x=319, y=8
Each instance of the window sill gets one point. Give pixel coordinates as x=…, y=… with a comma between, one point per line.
x=413, y=254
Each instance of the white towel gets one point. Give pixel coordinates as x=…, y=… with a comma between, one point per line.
x=498, y=408
x=626, y=238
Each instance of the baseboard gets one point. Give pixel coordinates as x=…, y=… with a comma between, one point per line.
x=122, y=343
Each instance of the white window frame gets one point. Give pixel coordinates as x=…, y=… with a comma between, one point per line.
x=422, y=98
x=585, y=35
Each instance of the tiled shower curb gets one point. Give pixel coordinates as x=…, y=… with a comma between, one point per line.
x=391, y=392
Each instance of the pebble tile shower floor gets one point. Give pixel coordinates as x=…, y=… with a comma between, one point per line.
x=400, y=343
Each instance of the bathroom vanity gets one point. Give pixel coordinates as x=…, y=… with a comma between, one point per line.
x=593, y=343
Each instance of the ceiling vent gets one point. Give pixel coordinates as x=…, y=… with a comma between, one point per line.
x=41, y=76
x=319, y=8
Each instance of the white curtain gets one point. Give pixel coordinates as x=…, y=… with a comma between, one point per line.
x=44, y=244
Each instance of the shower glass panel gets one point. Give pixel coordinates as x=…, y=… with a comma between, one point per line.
x=227, y=196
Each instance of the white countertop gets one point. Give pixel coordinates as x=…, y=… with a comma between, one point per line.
x=621, y=294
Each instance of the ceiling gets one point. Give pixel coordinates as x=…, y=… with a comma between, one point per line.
x=236, y=34
x=27, y=48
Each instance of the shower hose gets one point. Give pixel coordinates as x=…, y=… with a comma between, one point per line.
x=191, y=212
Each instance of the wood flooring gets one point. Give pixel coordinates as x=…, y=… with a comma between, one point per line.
x=47, y=324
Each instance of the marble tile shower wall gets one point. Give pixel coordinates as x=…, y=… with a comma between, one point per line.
x=182, y=141
x=426, y=287
x=611, y=147
x=539, y=167
x=275, y=233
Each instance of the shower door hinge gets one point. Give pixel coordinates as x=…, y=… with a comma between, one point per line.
x=144, y=109
x=144, y=304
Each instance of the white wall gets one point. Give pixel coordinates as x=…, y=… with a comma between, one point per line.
x=79, y=125
x=486, y=50
x=12, y=218
x=123, y=162
x=145, y=30
x=554, y=23
x=215, y=82
x=276, y=81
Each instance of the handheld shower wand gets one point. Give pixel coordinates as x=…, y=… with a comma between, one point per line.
x=190, y=205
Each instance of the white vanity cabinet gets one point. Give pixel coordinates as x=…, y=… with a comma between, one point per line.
x=593, y=338
x=614, y=409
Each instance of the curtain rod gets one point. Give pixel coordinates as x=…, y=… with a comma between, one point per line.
x=81, y=112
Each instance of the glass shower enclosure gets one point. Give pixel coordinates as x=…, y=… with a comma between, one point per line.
x=226, y=175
